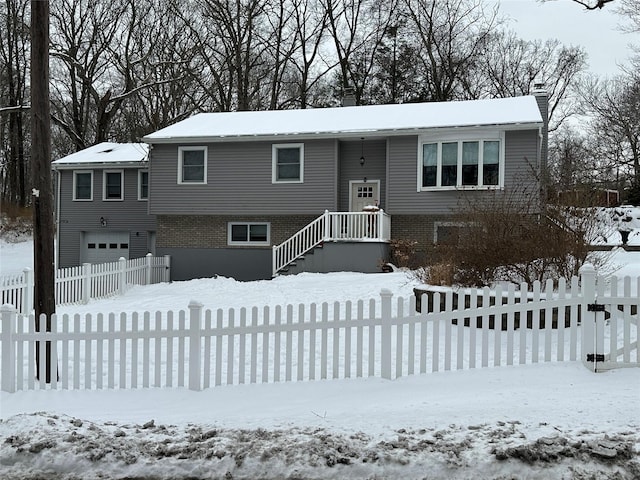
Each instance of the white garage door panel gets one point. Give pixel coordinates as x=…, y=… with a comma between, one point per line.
x=102, y=247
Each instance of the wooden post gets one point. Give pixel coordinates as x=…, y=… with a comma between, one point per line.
x=42, y=191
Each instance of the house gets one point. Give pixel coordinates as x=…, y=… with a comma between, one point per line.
x=102, y=204
x=253, y=194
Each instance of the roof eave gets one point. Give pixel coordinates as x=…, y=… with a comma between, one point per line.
x=335, y=134
x=86, y=165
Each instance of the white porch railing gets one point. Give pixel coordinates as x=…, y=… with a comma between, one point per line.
x=332, y=227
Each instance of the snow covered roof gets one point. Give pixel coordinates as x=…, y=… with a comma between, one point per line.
x=370, y=120
x=107, y=153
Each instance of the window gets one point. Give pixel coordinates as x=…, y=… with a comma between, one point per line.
x=83, y=186
x=248, y=233
x=143, y=184
x=460, y=163
x=112, y=185
x=450, y=233
x=365, y=192
x=192, y=165
x=288, y=163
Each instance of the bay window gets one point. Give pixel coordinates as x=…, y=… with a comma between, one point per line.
x=449, y=164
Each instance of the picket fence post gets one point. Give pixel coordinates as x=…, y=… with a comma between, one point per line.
x=122, y=275
x=167, y=268
x=8, y=314
x=195, y=322
x=149, y=259
x=28, y=292
x=385, y=334
x=587, y=342
x=86, y=283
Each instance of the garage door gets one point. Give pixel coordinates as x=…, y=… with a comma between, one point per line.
x=102, y=247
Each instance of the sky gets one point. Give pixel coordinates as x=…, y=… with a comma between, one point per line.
x=570, y=23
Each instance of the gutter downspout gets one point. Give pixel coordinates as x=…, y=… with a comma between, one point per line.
x=56, y=250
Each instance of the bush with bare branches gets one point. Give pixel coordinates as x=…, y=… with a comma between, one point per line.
x=509, y=237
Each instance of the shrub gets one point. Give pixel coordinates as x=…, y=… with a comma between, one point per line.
x=508, y=237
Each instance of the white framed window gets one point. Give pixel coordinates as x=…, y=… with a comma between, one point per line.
x=192, y=165
x=472, y=161
x=83, y=185
x=112, y=185
x=288, y=163
x=143, y=184
x=249, y=233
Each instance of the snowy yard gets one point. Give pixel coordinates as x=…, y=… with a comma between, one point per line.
x=555, y=420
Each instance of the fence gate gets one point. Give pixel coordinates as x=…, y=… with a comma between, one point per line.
x=616, y=325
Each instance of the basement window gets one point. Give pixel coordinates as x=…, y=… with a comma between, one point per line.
x=248, y=233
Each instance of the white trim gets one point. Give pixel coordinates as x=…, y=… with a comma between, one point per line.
x=140, y=172
x=353, y=182
x=274, y=161
x=104, y=186
x=192, y=148
x=461, y=137
x=90, y=199
x=248, y=241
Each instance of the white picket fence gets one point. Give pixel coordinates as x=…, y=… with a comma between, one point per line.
x=85, y=282
x=200, y=348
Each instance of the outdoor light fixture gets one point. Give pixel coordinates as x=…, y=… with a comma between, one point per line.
x=103, y=222
x=362, y=152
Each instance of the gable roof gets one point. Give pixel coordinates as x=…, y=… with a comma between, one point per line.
x=106, y=154
x=396, y=119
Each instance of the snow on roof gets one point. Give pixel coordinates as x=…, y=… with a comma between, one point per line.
x=107, y=152
x=397, y=118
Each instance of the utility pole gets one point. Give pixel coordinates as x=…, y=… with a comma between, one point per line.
x=42, y=190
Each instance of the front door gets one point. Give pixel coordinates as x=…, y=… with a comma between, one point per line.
x=363, y=194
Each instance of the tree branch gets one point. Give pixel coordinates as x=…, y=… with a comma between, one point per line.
x=14, y=109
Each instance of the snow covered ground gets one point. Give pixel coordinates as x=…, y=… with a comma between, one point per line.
x=535, y=422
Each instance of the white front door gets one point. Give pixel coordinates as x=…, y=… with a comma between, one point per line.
x=363, y=194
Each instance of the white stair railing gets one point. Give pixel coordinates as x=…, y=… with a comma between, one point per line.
x=300, y=243
x=329, y=227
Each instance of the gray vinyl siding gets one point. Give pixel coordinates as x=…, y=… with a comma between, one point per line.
x=521, y=155
x=239, y=181
x=374, y=168
x=76, y=217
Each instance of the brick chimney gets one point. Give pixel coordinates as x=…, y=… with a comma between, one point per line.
x=349, y=97
x=542, y=99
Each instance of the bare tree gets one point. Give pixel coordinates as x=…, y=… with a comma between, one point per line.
x=513, y=66
x=573, y=163
x=590, y=4
x=160, y=62
x=97, y=51
x=614, y=106
x=14, y=44
x=630, y=10
x=232, y=52
x=357, y=30
x=452, y=36
x=311, y=28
